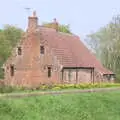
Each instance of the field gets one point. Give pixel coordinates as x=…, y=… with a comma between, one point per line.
x=83, y=106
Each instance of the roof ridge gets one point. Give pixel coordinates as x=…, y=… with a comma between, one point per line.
x=40, y=26
x=58, y=31
x=73, y=35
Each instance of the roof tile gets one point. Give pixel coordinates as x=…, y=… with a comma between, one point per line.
x=70, y=50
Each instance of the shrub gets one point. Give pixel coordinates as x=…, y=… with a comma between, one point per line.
x=6, y=89
x=56, y=88
x=87, y=86
x=9, y=89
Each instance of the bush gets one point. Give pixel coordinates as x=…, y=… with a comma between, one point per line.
x=56, y=88
x=87, y=86
x=10, y=89
x=6, y=89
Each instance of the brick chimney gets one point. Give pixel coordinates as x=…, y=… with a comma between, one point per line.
x=55, y=24
x=32, y=22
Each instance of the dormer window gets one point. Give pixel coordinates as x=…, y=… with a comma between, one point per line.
x=42, y=50
x=19, y=51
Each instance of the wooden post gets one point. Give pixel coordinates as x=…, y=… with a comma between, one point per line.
x=76, y=76
x=93, y=75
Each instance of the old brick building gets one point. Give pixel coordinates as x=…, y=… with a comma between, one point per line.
x=45, y=55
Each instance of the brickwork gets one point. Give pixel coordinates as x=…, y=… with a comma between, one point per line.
x=77, y=76
x=30, y=68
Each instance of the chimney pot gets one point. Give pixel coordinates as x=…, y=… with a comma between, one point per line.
x=55, y=24
x=34, y=13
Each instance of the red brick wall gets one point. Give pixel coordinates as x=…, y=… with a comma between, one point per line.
x=31, y=66
x=99, y=78
x=84, y=76
x=77, y=76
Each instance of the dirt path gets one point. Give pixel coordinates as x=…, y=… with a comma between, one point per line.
x=37, y=93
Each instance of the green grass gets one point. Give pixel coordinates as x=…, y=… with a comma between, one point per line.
x=84, y=106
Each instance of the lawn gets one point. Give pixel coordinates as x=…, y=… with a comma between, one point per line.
x=83, y=106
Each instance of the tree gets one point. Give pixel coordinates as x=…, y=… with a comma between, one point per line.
x=106, y=44
x=61, y=28
x=9, y=37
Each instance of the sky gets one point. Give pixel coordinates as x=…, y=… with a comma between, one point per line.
x=83, y=16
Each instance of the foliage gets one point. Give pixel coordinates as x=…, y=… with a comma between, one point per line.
x=6, y=89
x=57, y=87
x=106, y=43
x=9, y=37
x=61, y=28
x=84, y=106
x=78, y=86
x=87, y=86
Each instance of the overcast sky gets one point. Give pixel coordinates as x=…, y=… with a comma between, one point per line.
x=84, y=16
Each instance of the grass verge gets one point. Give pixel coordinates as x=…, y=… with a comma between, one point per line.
x=85, y=106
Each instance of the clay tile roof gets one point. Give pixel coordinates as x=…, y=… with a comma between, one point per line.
x=70, y=50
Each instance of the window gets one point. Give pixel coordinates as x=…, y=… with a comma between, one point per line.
x=70, y=75
x=107, y=76
x=112, y=77
x=3, y=69
x=42, y=50
x=66, y=75
x=12, y=70
x=19, y=51
x=49, y=71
